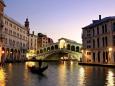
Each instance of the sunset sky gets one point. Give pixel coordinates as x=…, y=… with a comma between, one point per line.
x=59, y=18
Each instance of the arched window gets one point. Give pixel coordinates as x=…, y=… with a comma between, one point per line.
x=77, y=49
x=38, y=52
x=113, y=26
x=68, y=47
x=114, y=56
x=98, y=56
x=93, y=57
x=52, y=47
x=103, y=57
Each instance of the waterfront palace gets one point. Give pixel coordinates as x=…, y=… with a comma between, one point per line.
x=15, y=38
x=99, y=41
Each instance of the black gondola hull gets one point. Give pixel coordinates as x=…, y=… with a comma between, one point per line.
x=37, y=69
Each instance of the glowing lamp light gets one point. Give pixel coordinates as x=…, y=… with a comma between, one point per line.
x=110, y=49
x=82, y=51
x=3, y=52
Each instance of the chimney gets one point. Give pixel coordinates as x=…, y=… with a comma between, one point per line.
x=99, y=17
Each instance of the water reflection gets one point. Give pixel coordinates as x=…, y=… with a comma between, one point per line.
x=2, y=77
x=62, y=74
x=110, y=78
x=26, y=75
x=57, y=74
x=81, y=76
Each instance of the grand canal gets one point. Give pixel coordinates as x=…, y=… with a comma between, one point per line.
x=58, y=74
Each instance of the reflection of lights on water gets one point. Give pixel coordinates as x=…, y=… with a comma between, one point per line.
x=71, y=66
x=30, y=64
x=2, y=77
x=82, y=71
x=64, y=62
x=26, y=76
x=110, y=78
x=71, y=62
x=62, y=74
x=10, y=67
x=81, y=76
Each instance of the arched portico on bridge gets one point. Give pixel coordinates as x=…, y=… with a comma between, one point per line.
x=63, y=45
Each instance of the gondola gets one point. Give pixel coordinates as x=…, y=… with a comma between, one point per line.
x=37, y=70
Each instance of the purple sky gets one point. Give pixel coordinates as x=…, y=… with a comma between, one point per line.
x=59, y=18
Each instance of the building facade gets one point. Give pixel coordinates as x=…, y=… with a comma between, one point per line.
x=16, y=39
x=13, y=37
x=99, y=41
x=33, y=41
x=43, y=40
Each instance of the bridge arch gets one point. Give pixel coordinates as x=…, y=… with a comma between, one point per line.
x=48, y=49
x=38, y=52
x=56, y=46
x=41, y=51
x=45, y=49
x=77, y=49
x=73, y=48
x=52, y=47
x=68, y=47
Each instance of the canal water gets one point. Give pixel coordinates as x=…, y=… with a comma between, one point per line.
x=58, y=74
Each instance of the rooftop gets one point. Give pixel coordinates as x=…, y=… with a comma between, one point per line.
x=14, y=21
x=97, y=22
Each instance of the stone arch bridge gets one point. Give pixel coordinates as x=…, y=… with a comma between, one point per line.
x=64, y=49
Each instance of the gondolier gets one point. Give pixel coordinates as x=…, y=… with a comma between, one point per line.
x=40, y=63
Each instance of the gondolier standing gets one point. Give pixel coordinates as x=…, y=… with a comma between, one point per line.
x=40, y=63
